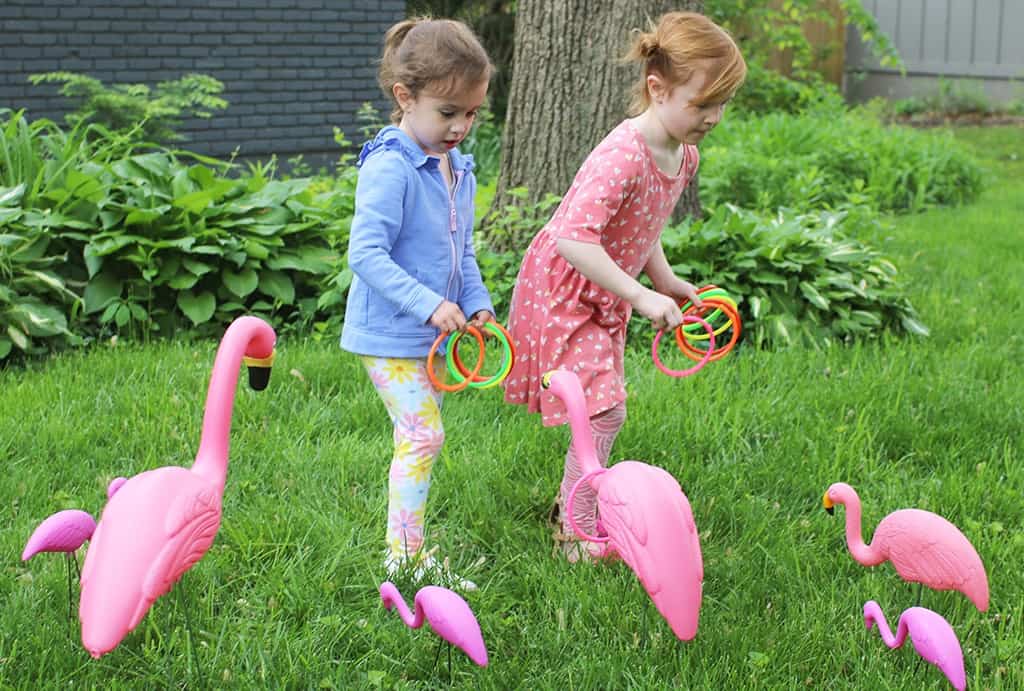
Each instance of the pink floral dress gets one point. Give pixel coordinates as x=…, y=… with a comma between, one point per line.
x=561, y=320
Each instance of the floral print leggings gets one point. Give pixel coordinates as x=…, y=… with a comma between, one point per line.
x=414, y=405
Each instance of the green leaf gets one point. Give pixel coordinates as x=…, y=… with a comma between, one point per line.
x=17, y=336
x=914, y=326
x=198, y=308
x=813, y=296
x=768, y=277
x=11, y=195
x=194, y=202
x=100, y=290
x=241, y=283
x=146, y=216
x=38, y=319
x=183, y=281
x=5, y=347
x=196, y=267
x=277, y=285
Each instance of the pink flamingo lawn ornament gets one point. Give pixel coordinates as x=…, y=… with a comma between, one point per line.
x=448, y=615
x=923, y=547
x=933, y=638
x=645, y=514
x=65, y=531
x=160, y=522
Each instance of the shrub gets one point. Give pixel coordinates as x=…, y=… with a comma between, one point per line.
x=825, y=159
x=767, y=91
x=34, y=298
x=798, y=277
x=159, y=240
x=156, y=112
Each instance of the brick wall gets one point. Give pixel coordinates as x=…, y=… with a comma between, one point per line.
x=292, y=69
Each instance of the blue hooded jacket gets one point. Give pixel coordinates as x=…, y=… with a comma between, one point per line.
x=410, y=247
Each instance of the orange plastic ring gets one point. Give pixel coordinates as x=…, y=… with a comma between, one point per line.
x=452, y=388
x=737, y=327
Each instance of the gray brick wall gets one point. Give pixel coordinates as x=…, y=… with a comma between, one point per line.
x=292, y=69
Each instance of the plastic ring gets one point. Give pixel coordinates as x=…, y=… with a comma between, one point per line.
x=476, y=368
x=459, y=371
x=710, y=317
x=737, y=328
x=709, y=291
x=568, y=508
x=692, y=370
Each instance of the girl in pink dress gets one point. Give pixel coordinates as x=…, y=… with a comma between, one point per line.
x=577, y=285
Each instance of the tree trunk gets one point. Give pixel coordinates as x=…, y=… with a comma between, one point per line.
x=569, y=89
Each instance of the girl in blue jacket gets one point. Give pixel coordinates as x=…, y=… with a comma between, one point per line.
x=411, y=250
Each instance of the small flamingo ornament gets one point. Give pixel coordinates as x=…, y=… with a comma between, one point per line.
x=922, y=546
x=64, y=531
x=932, y=636
x=645, y=514
x=159, y=523
x=448, y=615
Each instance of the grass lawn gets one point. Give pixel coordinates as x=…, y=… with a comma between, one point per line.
x=287, y=596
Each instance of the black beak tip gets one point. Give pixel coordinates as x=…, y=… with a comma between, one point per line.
x=831, y=510
x=259, y=377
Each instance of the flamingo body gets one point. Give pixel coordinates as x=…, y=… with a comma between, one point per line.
x=646, y=516
x=922, y=546
x=650, y=525
x=64, y=531
x=932, y=636
x=447, y=613
x=158, y=524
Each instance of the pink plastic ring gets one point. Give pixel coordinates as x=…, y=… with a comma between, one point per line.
x=691, y=370
x=568, y=507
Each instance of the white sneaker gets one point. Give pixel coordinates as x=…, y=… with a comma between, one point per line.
x=429, y=569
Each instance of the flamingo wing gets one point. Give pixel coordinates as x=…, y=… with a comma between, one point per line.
x=650, y=524
x=64, y=531
x=935, y=641
x=926, y=548
x=190, y=525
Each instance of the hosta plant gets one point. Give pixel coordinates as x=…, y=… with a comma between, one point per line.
x=798, y=278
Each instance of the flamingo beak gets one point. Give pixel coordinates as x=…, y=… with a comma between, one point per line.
x=259, y=370
x=545, y=380
x=827, y=503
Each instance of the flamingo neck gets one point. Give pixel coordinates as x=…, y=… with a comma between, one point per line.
x=243, y=335
x=391, y=596
x=864, y=554
x=568, y=388
x=874, y=613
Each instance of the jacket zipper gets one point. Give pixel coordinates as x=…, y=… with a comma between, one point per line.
x=452, y=227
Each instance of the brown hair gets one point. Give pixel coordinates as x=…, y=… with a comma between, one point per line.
x=423, y=51
x=674, y=49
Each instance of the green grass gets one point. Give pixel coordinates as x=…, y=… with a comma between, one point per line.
x=287, y=595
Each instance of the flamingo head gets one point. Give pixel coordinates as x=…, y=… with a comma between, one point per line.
x=559, y=382
x=837, y=493
x=259, y=370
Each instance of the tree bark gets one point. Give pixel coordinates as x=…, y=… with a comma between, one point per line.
x=569, y=89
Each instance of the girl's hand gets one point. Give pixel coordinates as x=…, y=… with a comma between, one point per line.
x=448, y=317
x=662, y=310
x=682, y=290
x=479, y=319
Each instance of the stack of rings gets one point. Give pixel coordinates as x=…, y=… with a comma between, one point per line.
x=457, y=370
x=717, y=302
